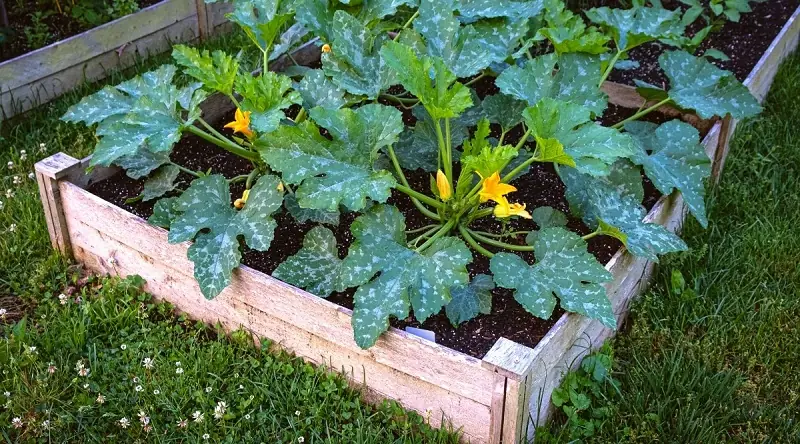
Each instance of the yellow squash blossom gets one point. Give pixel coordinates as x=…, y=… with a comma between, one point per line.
x=241, y=124
x=504, y=209
x=326, y=48
x=445, y=192
x=239, y=203
x=493, y=189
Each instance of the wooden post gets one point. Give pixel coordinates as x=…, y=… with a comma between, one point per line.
x=204, y=26
x=512, y=364
x=721, y=151
x=48, y=172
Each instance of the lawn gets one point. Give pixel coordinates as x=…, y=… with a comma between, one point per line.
x=712, y=351
x=710, y=354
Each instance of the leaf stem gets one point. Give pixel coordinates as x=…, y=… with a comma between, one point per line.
x=414, y=243
x=301, y=115
x=419, y=196
x=449, y=146
x=224, y=144
x=403, y=179
x=406, y=25
x=499, y=244
x=610, y=66
x=186, y=170
x=502, y=235
x=426, y=227
x=642, y=113
x=473, y=243
x=441, y=232
x=523, y=165
x=476, y=79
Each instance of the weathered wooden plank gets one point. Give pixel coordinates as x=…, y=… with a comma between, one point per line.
x=106, y=254
x=38, y=92
x=87, y=45
x=216, y=14
x=48, y=172
x=454, y=371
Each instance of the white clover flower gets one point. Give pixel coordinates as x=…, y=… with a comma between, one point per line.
x=23, y=155
x=79, y=365
x=46, y=424
x=138, y=388
x=86, y=386
x=9, y=193
x=17, y=422
x=62, y=298
x=32, y=176
x=297, y=413
x=51, y=369
x=208, y=389
x=3, y=312
x=182, y=424
x=17, y=180
x=156, y=392
x=241, y=387
x=147, y=428
x=219, y=410
x=177, y=363
x=179, y=370
x=2, y=205
x=147, y=363
x=7, y=394
x=100, y=399
x=32, y=349
x=83, y=372
x=247, y=417
x=10, y=165
x=135, y=379
x=42, y=147
x=301, y=439
x=12, y=228
x=198, y=416
x=143, y=418
x=123, y=347
x=206, y=436
x=124, y=422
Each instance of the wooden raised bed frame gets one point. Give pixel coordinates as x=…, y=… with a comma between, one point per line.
x=42, y=75
x=497, y=399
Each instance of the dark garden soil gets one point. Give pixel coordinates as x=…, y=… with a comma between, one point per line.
x=59, y=25
x=744, y=42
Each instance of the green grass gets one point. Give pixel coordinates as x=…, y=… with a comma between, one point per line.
x=112, y=314
x=717, y=360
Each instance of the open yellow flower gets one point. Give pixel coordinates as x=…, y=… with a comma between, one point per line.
x=326, y=48
x=493, y=189
x=445, y=192
x=241, y=124
x=504, y=209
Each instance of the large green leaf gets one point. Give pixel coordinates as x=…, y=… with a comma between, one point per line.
x=318, y=90
x=146, y=112
x=632, y=27
x=676, y=160
x=354, y=63
x=142, y=162
x=216, y=70
x=575, y=81
x=338, y=171
x=316, y=267
x=597, y=199
x=443, y=97
x=405, y=278
x=161, y=182
x=593, y=147
x=695, y=83
x=290, y=40
x=164, y=212
x=466, y=50
x=304, y=215
x=520, y=10
x=504, y=110
x=470, y=300
x=563, y=268
x=262, y=20
x=266, y=96
x=208, y=217
x=567, y=31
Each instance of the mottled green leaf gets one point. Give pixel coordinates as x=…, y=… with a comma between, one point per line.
x=490, y=159
x=208, y=217
x=563, y=268
x=99, y=106
x=695, y=83
x=289, y=41
x=338, y=171
x=160, y=182
x=551, y=150
x=466, y=50
x=164, y=212
x=142, y=162
x=262, y=20
x=304, y=215
x=216, y=70
x=316, y=267
x=567, y=31
x=406, y=278
x=266, y=96
x=575, y=81
x=627, y=178
x=638, y=25
x=504, y=110
x=318, y=90
x=598, y=199
x=676, y=160
x=500, y=8
x=418, y=147
x=470, y=300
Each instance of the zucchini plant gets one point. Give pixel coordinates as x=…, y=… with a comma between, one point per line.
x=349, y=147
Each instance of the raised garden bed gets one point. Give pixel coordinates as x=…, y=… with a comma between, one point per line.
x=40, y=76
x=496, y=397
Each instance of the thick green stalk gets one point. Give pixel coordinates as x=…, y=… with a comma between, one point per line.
x=502, y=235
x=473, y=243
x=498, y=244
x=642, y=113
x=216, y=133
x=301, y=116
x=226, y=145
x=449, y=145
x=419, y=196
x=610, y=67
x=403, y=179
x=443, y=151
x=425, y=228
x=523, y=165
x=186, y=170
x=442, y=231
x=406, y=25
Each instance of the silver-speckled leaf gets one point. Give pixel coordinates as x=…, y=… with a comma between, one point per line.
x=160, y=182
x=262, y=20
x=575, y=81
x=469, y=49
x=142, y=162
x=517, y=10
x=695, y=83
x=677, y=161
x=563, y=268
x=405, y=277
x=99, y=106
x=470, y=300
x=164, y=212
x=304, y=215
x=318, y=90
x=598, y=199
x=289, y=41
x=339, y=171
x=208, y=217
x=504, y=110
x=316, y=267
x=635, y=26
